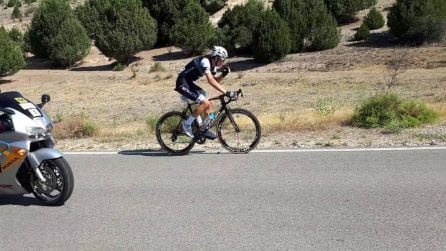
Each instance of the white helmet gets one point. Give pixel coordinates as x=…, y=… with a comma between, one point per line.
x=220, y=52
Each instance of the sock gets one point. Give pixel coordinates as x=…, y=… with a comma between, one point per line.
x=190, y=120
x=199, y=120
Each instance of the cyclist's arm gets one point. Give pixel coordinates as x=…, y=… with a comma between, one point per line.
x=215, y=82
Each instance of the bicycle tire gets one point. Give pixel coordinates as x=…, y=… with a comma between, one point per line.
x=250, y=131
x=170, y=135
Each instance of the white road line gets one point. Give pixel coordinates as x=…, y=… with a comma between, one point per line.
x=283, y=150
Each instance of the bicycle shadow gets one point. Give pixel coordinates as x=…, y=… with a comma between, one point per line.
x=19, y=200
x=162, y=153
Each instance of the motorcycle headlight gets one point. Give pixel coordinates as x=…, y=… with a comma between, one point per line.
x=36, y=132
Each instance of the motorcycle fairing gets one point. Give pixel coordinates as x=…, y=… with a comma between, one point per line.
x=16, y=101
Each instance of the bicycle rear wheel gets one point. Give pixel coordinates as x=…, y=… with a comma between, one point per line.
x=239, y=131
x=170, y=135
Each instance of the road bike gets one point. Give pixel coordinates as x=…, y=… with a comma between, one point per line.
x=238, y=130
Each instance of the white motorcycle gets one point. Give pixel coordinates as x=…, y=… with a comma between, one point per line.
x=28, y=161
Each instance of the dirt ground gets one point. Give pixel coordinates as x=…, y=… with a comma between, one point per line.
x=120, y=103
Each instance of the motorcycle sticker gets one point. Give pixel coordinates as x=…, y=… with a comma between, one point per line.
x=31, y=109
x=12, y=157
x=35, y=112
x=21, y=100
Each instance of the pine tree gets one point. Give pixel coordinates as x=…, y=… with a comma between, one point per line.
x=11, y=55
x=273, y=40
x=237, y=26
x=374, y=20
x=120, y=28
x=418, y=21
x=48, y=34
x=192, y=30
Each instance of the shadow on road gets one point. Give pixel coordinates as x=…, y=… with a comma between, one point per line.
x=161, y=153
x=19, y=200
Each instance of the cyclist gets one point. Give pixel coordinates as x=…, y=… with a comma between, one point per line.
x=206, y=65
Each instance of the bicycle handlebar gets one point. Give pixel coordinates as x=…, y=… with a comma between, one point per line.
x=222, y=96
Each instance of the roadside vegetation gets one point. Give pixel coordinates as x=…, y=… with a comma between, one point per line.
x=64, y=34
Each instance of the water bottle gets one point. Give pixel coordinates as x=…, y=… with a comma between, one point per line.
x=208, y=121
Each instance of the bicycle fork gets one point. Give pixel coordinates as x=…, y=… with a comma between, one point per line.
x=231, y=118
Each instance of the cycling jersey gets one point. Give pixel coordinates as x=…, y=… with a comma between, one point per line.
x=192, y=71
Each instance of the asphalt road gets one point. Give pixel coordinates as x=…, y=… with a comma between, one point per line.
x=361, y=200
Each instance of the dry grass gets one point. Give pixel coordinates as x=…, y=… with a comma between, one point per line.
x=306, y=120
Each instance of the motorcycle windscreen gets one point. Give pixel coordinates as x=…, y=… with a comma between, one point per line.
x=16, y=101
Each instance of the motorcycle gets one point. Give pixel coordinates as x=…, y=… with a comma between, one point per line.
x=28, y=161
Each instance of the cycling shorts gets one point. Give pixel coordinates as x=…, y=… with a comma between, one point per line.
x=190, y=90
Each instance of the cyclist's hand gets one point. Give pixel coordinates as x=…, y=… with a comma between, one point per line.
x=232, y=95
x=225, y=71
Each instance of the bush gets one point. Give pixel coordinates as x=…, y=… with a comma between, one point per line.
x=346, y=10
x=120, y=28
x=312, y=26
x=363, y=33
x=71, y=44
x=16, y=13
x=16, y=36
x=238, y=24
x=292, y=11
x=213, y=6
x=192, y=30
x=322, y=27
x=55, y=34
x=14, y=3
x=374, y=20
x=11, y=55
x=418, y=21
x=272, y=38
x=390, y=111
x=365, y=4
x=165, y=12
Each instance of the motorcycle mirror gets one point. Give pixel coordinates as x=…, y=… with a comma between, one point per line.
x=45, y=99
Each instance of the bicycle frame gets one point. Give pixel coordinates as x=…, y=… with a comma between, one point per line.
x=224, y=101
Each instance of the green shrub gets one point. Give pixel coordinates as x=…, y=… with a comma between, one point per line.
x=213, y=6
x=344, y=10
x=374, y=20
x=272, y=38
x=28, y=2
x=238, y=24
x=14, y=3
x=322, y=27
x=365, y=4
x=363, y=33
x=292, y=11
x=55, y=34
x=312, y=26
x=391, y=112
x=120, y=28
x=11, y=55
x=165, y=12
x=17, y=37
x=151, y=122
x=118, y=67
x=418, y=21
x=16, y=13
x=192, y=30
x=70, y=44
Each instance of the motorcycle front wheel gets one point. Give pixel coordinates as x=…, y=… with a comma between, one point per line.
x=59, y=183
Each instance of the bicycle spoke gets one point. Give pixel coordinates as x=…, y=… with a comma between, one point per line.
x=241, y=133
x=170, y=135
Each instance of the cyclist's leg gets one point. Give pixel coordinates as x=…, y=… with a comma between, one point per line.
x=190, y=90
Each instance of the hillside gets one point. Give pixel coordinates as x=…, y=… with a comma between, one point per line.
x=287, y=96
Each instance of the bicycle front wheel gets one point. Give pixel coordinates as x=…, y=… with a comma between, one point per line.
x=170, y=135
x=239, y=131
